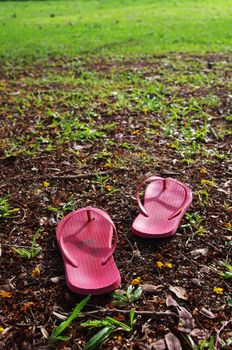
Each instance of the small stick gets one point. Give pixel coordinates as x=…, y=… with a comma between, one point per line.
x=138, y=312
x=68, y=177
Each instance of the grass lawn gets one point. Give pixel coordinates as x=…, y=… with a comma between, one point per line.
x=112, y=27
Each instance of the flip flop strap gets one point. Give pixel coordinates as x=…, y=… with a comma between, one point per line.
x=106, y=217
x=153, y=179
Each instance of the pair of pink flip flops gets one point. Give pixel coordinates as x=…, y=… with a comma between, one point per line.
x=85, y=235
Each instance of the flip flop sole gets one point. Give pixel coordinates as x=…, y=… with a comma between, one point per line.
x=160, y=216
x=84, y=238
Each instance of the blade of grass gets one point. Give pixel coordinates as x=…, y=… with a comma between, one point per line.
x=132, y=316
x=122, y=325
x=73, y=315
x=97, y=323
x=99, y=338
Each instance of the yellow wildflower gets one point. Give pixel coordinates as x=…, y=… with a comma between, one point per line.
x=169, y=265
x=228, y=225
x=109, y=188
x=36, y=272
x=1, y=329
x=145, y=110
x=159, y=265
x=218, y=290
x=203, y=171
x=27, y=305
x=107, y=166
x=136, y=132
x=136, y=281
x=46, y=184
x=5, y=295
x=209, y=183
x=119, y=339
x=172, y=145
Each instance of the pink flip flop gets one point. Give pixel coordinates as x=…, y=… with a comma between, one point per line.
x=85, y=241
x=165, y=202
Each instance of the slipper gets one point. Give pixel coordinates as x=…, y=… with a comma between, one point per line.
x=85, y=241
x=165, y=202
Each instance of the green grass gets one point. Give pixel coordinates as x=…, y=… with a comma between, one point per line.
x=112, y=27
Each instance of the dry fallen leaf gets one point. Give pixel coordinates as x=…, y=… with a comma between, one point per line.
x=56, y=279
x=151, y=288
x=180, y=292
x=207, y=313
x=170, y=301
x=44, y=332
x=186, y=321
x=202, y=251
x=158, y=345
x=199, y=333
x=59, y=316
x=172, y=342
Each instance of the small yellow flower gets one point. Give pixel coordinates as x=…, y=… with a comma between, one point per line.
x=218, y=290
x=107, y=166
x=5, y=295
x=159, y=265
x=203, y=171
x=27, y=305
x=118, y=339
x=1, y=329
x=36, y=272
x=228, y=225
x=209, y=183
x=136, y=132
x=136, y=281
x=109, y=188
x=46, y=184
x=172, y=145
x=169, y=265
x=145, y=110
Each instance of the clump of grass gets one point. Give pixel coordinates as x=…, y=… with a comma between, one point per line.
x=33, y=251
x=109, y=325
x=128, y=297
x=202, y=345
x=56, y=334
x=228, y=273
x=5, y=210
x=65, y=208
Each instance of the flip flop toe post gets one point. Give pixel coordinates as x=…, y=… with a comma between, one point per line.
x=165, y=202
x=85, y=241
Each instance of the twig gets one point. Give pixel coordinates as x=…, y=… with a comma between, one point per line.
x=4, y=185
x=138, y=312
x=169, y=173
x=68, y=177
x=130, y=246
x=219, y=332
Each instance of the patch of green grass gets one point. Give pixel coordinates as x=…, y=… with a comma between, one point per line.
x=109, y=325
x=71, y=113
x=114, y=27
x=5, y=210
x=65, y=208
x=57, y=332
x=33, y=251
x=228, y=273
x=128, y=297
